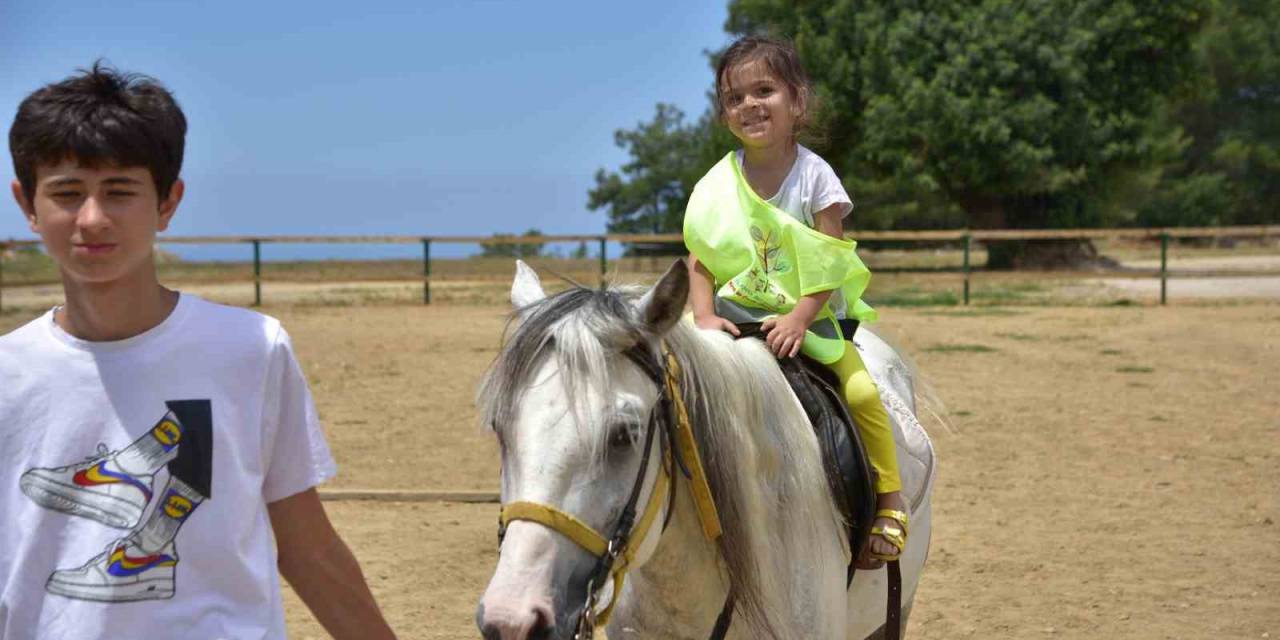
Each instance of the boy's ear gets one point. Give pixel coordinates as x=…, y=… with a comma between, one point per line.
x=169, y=206
x=20, y=197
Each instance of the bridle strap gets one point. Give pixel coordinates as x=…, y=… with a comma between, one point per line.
x=615, y=554
x=559, y=521
x=624, y=537
x=708, y=515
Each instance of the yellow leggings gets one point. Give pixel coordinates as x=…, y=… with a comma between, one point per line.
x=863, y=398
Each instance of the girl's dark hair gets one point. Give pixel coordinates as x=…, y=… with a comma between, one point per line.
x=781, y=59
x=100, y=116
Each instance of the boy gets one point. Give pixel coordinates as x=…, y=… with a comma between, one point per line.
x=152, y=445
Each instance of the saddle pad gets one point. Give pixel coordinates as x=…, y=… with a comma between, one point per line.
x=915, y=449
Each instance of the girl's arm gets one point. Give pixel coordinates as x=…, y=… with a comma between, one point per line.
x=702, y=299
x=785, y=334
x=829, y=222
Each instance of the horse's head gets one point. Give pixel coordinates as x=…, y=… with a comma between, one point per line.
x=572, y=410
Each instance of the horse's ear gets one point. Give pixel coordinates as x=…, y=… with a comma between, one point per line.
x=663, y=305
x=526, y=289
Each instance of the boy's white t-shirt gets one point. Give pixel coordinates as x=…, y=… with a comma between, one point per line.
x=810, y=187
x=67, y=402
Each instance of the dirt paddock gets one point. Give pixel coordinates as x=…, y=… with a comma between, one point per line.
x=1112, y=472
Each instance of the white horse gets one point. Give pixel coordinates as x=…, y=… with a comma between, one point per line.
x=570, y=409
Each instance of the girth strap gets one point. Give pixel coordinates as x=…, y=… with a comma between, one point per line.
x=893, y=615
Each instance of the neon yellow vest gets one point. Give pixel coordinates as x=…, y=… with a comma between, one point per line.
x=763, y=258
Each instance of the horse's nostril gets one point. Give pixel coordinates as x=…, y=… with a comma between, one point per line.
x=542, y=624
x=535, y=623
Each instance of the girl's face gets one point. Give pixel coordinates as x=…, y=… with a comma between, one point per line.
x=759, y=107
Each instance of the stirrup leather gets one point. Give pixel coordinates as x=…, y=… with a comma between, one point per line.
x=896, y=537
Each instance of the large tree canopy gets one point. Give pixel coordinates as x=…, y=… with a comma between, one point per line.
x=1045, y=113
x=1025, y=114
x=1227, y=169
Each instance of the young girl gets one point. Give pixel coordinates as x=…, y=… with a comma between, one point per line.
x=766, y=244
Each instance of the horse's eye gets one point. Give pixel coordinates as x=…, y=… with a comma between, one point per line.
x=623, y=434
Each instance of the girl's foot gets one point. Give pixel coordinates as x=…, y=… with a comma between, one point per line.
x=884, y=530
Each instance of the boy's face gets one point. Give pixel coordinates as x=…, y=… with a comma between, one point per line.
x=99, y=224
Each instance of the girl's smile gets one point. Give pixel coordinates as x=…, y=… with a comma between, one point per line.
x=759, y=108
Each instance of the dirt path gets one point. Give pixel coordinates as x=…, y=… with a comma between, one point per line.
x=1213, y=263
x=1184, y=289
x=1098, y=454
x=1113, y=472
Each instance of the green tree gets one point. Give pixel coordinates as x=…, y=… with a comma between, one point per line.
x=938, y=112
x=1023, y=115
x=513, y=249
x=1227, y=166
x=668, y=156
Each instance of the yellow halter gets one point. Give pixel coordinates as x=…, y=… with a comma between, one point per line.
x=602, y=548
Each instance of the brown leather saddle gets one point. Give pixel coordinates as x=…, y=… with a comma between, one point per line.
x=844, y=456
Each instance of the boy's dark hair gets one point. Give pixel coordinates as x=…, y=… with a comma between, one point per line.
x=100, y=116
x=781, y=59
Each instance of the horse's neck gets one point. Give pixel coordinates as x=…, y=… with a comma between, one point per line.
x=679, y=592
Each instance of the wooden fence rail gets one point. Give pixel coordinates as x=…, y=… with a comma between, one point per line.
x=964, y=236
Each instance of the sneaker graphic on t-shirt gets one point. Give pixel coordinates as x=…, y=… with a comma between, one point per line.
x=116, y=487
x=96, y=488
x=123, y=572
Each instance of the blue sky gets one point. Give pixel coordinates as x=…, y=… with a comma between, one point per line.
x=444, y=118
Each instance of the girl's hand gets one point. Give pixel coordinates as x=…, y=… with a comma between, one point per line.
x=716, y=323
x=785, y=334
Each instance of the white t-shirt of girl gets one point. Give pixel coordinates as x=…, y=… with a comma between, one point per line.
x=68, y=408
x=811, y=186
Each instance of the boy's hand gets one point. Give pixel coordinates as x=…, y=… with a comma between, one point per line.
x=785, y=334
x=716, y=323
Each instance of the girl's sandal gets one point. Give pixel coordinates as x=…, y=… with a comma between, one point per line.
x=895, y=536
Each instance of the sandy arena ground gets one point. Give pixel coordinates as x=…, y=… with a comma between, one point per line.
x=1112, y=471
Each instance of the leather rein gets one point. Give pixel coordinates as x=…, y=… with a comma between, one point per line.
x=615, y=553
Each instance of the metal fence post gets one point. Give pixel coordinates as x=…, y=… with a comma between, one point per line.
x=426, y=271
x=967, y=239
x=604, y=260
x=1164, y=266
x=257, y=273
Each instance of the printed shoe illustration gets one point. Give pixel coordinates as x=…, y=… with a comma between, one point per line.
x=95, y=488
x=121, y=573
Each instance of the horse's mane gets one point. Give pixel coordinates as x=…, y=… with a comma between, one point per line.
x=764, y=469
